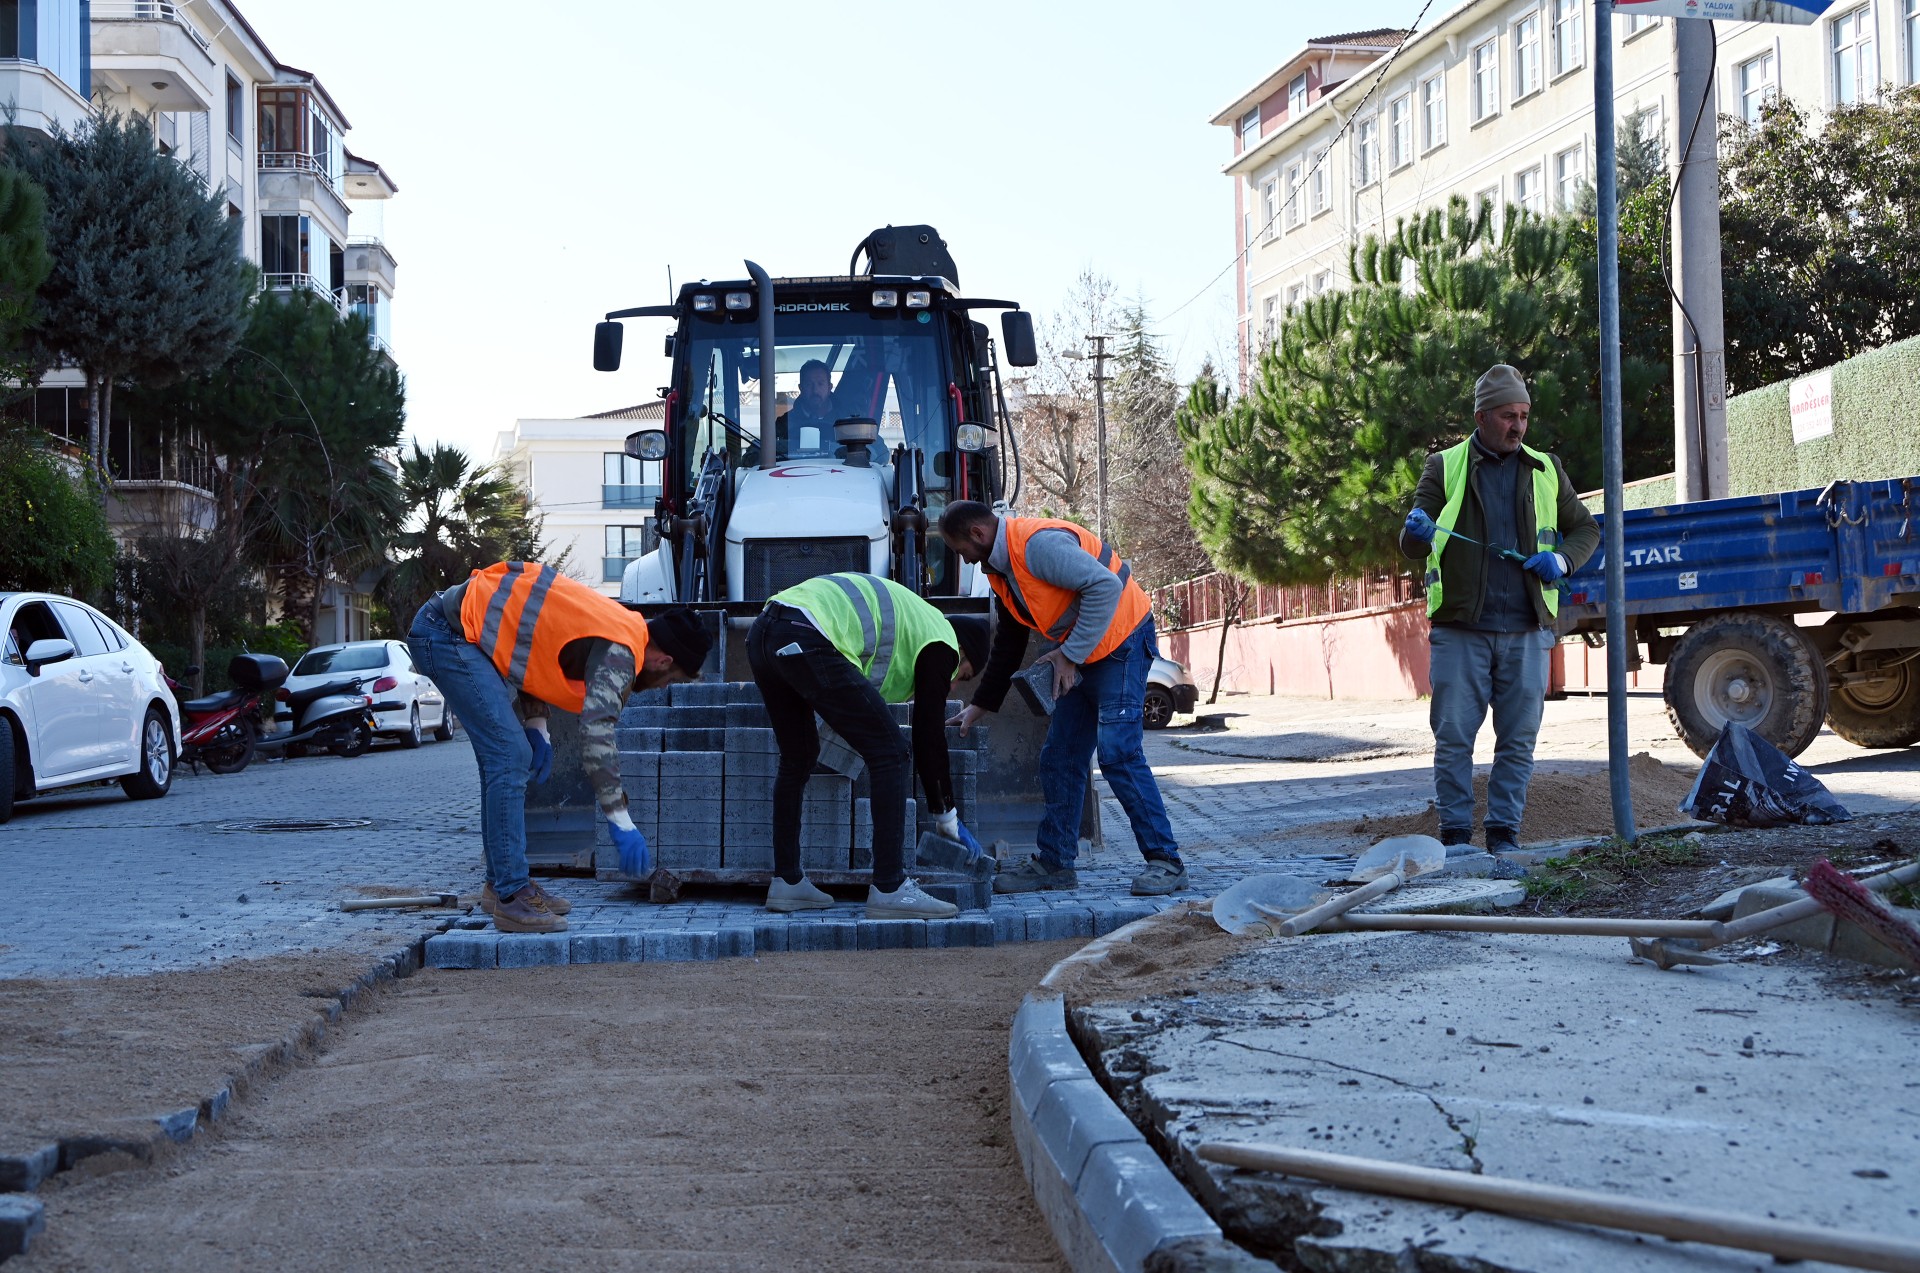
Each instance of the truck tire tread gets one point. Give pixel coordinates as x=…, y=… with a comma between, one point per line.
x=1895, y=722
x=1797, y=680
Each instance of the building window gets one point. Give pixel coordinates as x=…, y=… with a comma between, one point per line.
x=1297, y=95
x=1270, y=203
x=1249, y=129
x=1634, y=25
x=1526, y=55
x=1568, y=51
x=1323, y=282
x=1270, y=319
x=1855, y=71
x=1569, y=174
x=1489, y=199
x=1433, y=112
x=1296, y=295
x=1366, y=149
x=1400, y=131
x=1317, y=184
x=1296, y=174
x=1526, y=190
x=624, y=543
x=1646, y=126
x=1913, y=41
x=1759, y=81
x=236, y=111
x=627, y=482
x=1486, y=81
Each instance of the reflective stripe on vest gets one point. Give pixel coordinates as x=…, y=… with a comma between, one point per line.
x=523, y=614
x=1050, y=609
x=1456, y=465
x=879, y=625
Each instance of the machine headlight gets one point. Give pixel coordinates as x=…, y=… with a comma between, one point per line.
x=705, y=303
x=739, y=300
x=886, y=298
x=919, y=300
x=971, y=437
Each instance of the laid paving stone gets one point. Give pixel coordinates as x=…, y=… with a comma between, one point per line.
x=23, y=1172
x=22, y=1219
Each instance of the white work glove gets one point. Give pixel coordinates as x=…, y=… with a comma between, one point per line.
x=622, y=819
x=948, y=823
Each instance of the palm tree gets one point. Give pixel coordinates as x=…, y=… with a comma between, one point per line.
x=459, y=517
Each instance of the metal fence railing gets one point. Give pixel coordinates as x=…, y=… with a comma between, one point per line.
x=147, y=11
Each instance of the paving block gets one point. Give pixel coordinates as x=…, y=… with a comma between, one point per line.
x=1075, y=1117
x=464, y=949
x=752, y=788
x=654, y=718
x=637, y=737
x=742, y=692
x=677, y=739
x=735, y=856
x=679, y=767
x=770, y=937
x=22, y=1219
x=745, y=738
x=1134, y=1203
x=533, y=950
x=640, y=773
x=1009, y=923
x=215, y=1106
x=893, y=934
x=180, y=1125
x=753, y=764
x=688, y=857
x=23, y=1172
x=699, y=693
x=1039, y=1053
x=748, y=716
x=603, y=948
x=735, y=940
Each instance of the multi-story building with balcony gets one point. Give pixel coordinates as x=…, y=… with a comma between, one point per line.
x=597, y=500
x=1494, y=103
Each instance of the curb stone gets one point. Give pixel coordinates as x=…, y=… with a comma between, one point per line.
x=23, y=1217
x=1112, y=1204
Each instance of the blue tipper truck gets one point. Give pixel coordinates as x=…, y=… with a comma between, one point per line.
x=1714, y=590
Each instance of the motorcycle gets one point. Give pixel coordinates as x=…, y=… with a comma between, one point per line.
x=337, y=715
x=221, y=730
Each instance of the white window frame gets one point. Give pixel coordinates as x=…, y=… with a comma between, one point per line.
x=1323, y=282
x=1483, y=71
x=1489, y=195
x=1433, y=106
x=1250, y=130
x=1569, y=174
x=1568, y=20
x=1270, y=208
x=1634, y=24
x=1295, y=296
x=1910, y=26
x=1525, y=49
x=1319, y=188
x=1293, y=187
x=1867, y=76
x=1297, y=96
x=1750, y=99
x=1535, y=203
x=1366, y=149
x=1402, y=136
x=1269, y=318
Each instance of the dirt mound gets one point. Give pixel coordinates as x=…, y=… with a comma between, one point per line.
x=1564, y=806
x=1170, y=955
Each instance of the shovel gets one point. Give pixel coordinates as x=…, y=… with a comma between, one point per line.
x=1387, y=865
x=1283, y=895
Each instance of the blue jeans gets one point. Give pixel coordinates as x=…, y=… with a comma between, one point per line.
x=483, y=701
x=1472, y=671
x=1103, y=713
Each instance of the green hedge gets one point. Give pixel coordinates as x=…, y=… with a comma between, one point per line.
x=1876, y=427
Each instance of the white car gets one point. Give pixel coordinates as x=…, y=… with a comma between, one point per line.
x=80, y=701
x=406, y=703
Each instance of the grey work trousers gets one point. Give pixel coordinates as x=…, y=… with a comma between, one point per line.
x=1472, y=672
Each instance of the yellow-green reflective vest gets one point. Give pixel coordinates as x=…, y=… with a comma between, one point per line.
x=881, y=626
x=1456, y=462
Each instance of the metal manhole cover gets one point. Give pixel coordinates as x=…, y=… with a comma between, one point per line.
x=297, y=824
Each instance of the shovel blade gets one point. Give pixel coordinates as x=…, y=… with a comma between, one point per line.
x=1233, y=909
x=1411, y=855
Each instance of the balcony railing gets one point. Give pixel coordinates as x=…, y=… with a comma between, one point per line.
x=628, y=496
x=147, y=11
x=297, y=161
x=305, y=283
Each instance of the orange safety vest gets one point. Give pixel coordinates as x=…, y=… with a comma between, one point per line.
x=523, y=614
x=1044, y=606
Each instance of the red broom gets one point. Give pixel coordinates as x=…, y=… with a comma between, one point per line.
x=1845, y=899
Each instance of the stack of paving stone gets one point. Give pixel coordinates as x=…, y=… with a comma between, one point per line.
x=698, y=763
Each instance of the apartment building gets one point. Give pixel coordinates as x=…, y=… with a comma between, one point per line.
x=598, y=501
x=1494, y=103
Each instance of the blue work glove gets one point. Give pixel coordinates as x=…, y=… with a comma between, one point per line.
x=541, y=767
x=1421, y=526
x=1547, y=566
x=635, y=857
x=966, y=837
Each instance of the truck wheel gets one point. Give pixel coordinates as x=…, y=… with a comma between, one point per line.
x=1879, y=713
x=1748, y=668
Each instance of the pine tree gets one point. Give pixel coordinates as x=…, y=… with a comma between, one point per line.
x=1148, y=483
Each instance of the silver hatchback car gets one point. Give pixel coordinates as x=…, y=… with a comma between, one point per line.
x=1169, y=689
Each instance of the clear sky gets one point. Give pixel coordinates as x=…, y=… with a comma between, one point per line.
x=554, y=159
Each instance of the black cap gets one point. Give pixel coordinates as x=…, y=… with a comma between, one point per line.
x=680, y=634
x=971, y=630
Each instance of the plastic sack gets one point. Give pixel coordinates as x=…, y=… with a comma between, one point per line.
x=1748, y=782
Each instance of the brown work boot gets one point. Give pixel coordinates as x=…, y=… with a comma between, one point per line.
x=526, y=912
x=553, y=901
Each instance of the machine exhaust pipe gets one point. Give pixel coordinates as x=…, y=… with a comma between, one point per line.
x=764, y=286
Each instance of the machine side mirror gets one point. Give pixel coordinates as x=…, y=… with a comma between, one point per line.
x=47, y=650
x=647, y=444
x=1016, y=332
x=607, y=338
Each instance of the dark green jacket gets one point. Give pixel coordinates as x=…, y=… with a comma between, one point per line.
x=1463, y=570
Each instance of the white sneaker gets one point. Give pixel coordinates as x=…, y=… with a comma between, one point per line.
x=907, y=902
x=785, y=897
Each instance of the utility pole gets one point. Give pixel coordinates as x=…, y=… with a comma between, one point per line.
x=1699, y=327
x=1100, y=378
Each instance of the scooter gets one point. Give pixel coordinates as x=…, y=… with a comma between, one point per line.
x=337, y=715
x=220, y=730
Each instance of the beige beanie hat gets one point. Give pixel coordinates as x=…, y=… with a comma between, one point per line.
x=1499, y=386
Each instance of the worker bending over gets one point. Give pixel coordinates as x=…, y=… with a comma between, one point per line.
x=845, y=646
x=522, y=626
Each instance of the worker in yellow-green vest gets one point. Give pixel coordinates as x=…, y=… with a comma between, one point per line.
x=845, y=646
x=1513, y=528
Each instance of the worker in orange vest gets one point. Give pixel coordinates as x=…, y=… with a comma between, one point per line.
x=513, y=641
x=1062, y=581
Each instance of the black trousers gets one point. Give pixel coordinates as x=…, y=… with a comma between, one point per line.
x=818, y=678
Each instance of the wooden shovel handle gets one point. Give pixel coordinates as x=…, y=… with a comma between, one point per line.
x=1306, y=921
x=1578, y=1206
